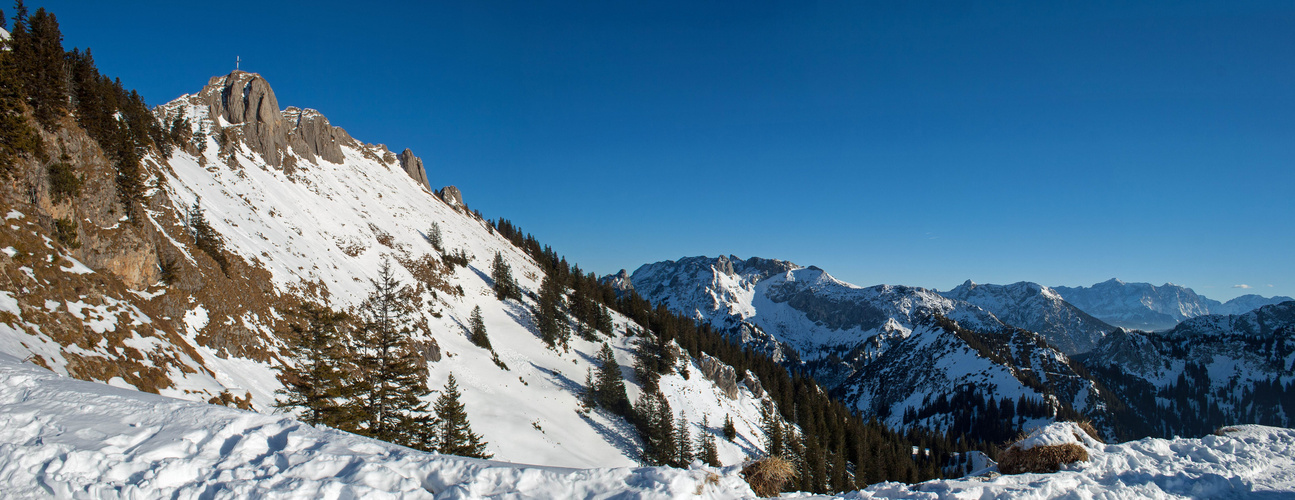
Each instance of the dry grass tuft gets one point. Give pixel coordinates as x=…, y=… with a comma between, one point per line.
x=1087, y=427
x=1040, y=459
x=768, y=475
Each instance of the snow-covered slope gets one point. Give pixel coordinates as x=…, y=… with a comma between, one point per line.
x=63, y=438
x=881, y=347
x=1207, y=371
x=307, y=213
x=1036, y=308
x=1143, y=306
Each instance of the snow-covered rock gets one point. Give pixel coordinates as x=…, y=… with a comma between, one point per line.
x=1143, y=306
x=881, y=347
x=1036, y=308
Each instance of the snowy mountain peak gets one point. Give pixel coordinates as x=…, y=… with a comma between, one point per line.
x=1036, y=308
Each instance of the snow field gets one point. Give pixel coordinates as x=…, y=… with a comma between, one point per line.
x=65, y=438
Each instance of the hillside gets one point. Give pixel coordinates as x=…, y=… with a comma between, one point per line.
x=902, y=354
x=303, y=213
x=1206, y=372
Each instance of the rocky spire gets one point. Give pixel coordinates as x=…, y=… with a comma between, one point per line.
x=246, y=100
x=413, y=166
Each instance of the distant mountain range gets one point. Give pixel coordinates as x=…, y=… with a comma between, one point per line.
x=1143, y=306
x=976, y=354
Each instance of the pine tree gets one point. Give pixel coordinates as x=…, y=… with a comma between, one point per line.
x=205, y=237
x=654, y=420
x=41, y=59
x=16, y=136
x=453, y=434
x=707, y=451
x=683, y=443
x=505, y=286
x=609, y=384
x=434, y=236
x=772, y=424
x=554, y=328
x=730, y=430
x=478, y=329
x=316, y=381
x=392, y=374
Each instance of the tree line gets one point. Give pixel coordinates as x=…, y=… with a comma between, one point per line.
x=835, y=448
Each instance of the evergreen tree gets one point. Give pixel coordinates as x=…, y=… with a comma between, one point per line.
x=478, y=329
x=16, y=136
x=392, y=374
x=707, y=450
x=773, y=434
x=609, y=384
x=316, y=381
x=453, y=434
x=683, y=443
x=205, y=237
x=554, y=328
x=434, y=236
x=42, y=61
x=730, y=430
x=505, y=286
x=654, y=420
x=589, y=398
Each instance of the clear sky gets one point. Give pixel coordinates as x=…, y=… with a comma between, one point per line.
x=918, y=143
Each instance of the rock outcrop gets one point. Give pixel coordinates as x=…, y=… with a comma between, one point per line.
x=312, y=137
x=451, y=196
x=242, y=98
x=724, y=376
x=413, y=166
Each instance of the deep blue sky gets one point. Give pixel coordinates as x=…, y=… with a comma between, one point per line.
x=907, y=143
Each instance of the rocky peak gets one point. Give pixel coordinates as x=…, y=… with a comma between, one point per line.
x=312, y=136
x=242, y=98
x=413, y=166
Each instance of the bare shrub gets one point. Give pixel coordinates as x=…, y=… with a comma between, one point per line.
x=1040, y=459
x=768, y=475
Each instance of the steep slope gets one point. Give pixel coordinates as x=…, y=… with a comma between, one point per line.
x=303, y=213
x=64, y=438
x=1142, y=306
x=1036, y=308
x=892, y=351
x=1207, y=372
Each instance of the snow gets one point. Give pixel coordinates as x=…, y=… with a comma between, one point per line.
x=77, y=267
x=65, y=438
x=70, y=439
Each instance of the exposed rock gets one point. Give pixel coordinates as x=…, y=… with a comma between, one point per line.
x=451, y=196
x=724, y=376
x=430, y=350
x=413, y=166
x=311, y=135
x=247, y=99
x=753, y=383
x=620, y=282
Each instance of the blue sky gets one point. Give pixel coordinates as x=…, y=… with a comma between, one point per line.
x=918, y=143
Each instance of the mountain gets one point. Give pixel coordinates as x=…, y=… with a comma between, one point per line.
x=903, y=354
x=1143, y=306
x=1036, y=308
x=130, y=290
x=1205, y=372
